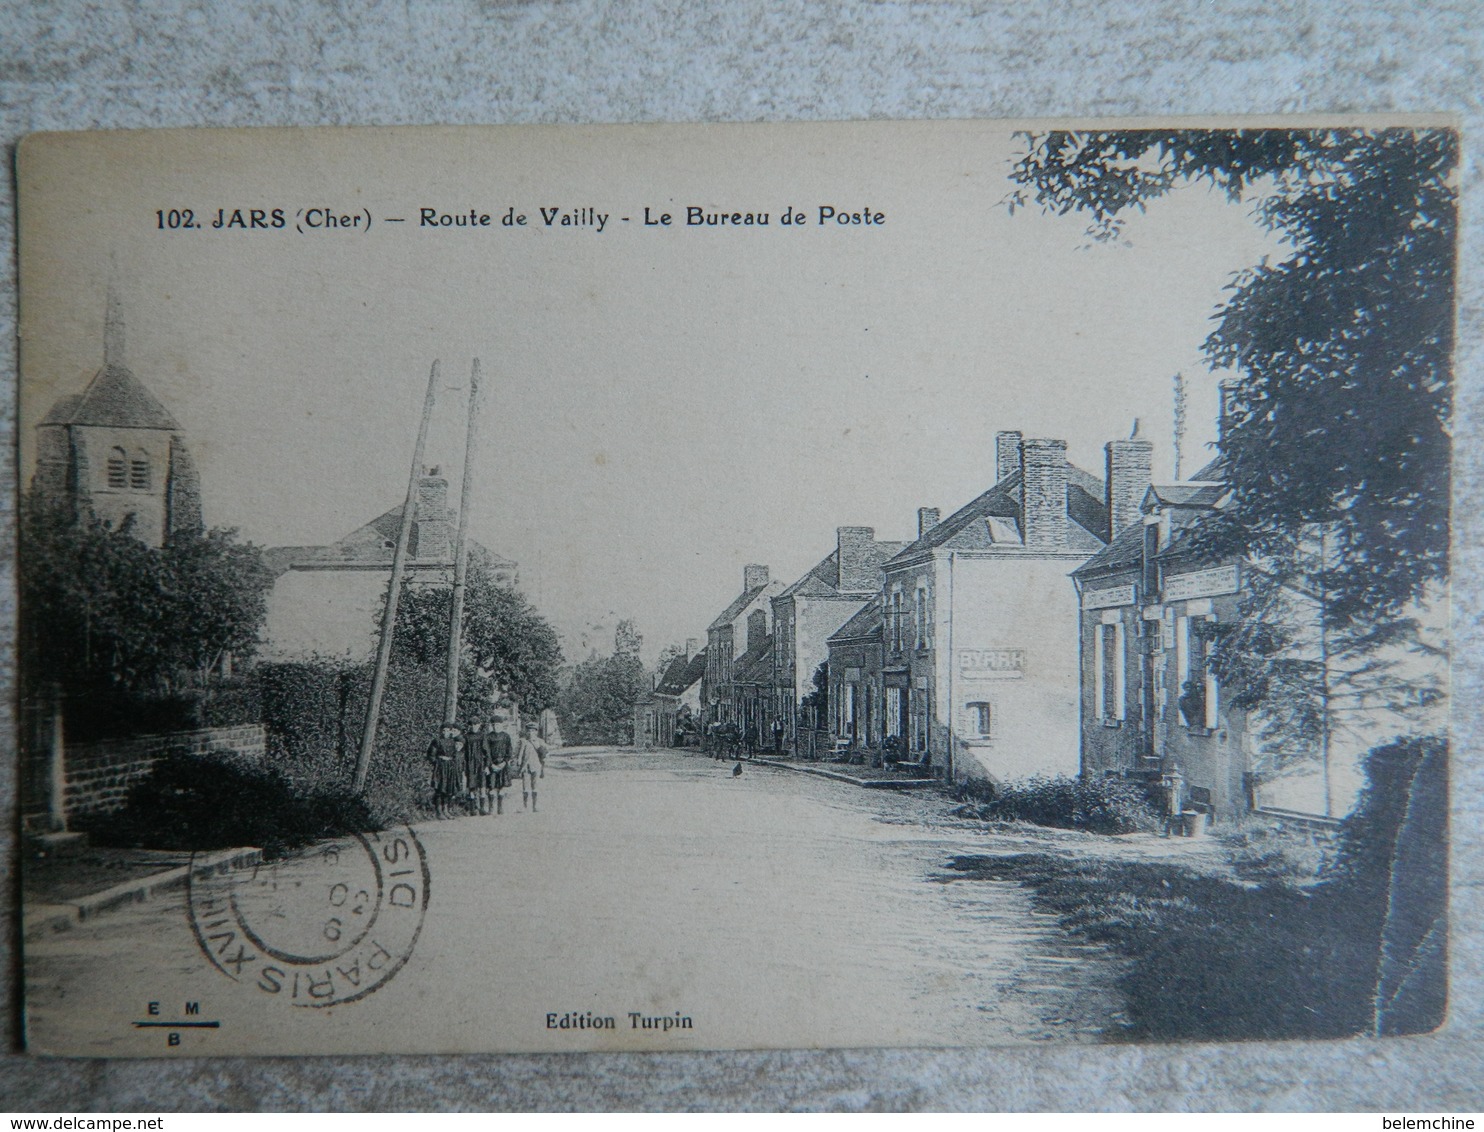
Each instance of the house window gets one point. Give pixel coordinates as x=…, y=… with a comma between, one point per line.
x=896, y=620
x=980, y=718
x=1110, y=674
x=1197, y=684
x=1151, y=551
x=919, y=719
x=139, y=477
x=118, y=469
x=845, y=710
x=922, y=619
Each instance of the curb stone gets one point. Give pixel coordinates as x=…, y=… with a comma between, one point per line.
x=867, y=783
x=43, y=919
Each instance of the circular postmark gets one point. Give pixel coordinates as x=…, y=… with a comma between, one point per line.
x=319, y=928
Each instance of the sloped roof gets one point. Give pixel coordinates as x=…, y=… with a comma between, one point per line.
x=1126, y=549
x=115, y=398
x=993, y=519
x=755, y=666
x=1191, y=500
x=61, y=413
x=819, y=580
x=824, y=579
x=741, y=602
x=372, y=545
x=867, y=623
x=1214, y=472
x=682, y=674
x=1191, y=494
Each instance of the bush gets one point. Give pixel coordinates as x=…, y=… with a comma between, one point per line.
x=1389, y=883
x=315, y=712
x=1208, y=959
x=1096, y=805
x=1270, y=855
x=221, y=801
x=106, y=711
x=1363, y=951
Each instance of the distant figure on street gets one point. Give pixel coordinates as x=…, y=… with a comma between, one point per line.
x=778, y=736
x=446, y=756
x=529, y=765
x=502, y=754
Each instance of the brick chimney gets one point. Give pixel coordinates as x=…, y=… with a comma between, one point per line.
x=1128, y=467
x=754, y=576
x=1006, y=454
x=690, y=647
x=757, y=628
x=1043, y=470
x=432, y=521
x=927, y=519
x=855, y=559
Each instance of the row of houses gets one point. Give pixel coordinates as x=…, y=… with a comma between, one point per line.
x=1058, y=623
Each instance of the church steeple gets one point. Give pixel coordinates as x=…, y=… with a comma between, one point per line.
x=115, y=452
x=113, y=329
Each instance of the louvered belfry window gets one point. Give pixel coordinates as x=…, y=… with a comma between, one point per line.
x=118, y=469
x=139, y=477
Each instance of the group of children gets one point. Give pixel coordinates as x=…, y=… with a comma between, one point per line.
x=474, y=766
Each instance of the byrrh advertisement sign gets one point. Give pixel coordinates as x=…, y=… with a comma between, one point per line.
x=991, y=664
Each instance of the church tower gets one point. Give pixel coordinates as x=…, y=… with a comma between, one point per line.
x=114, y=452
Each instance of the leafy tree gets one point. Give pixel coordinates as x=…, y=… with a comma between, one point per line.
x=598, y=705
x=102, y=610
x=220, y=592
x=1338, y=430
x=627, y=640
x=508, y=647
x=815, y=706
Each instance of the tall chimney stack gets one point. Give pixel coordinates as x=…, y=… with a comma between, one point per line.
x=927, y=519
x=754, y=576
x=690, y=647
x=1043, y=471
x=855, y=559
x=1128, y=467
x=1006, y=454
x=432, y=520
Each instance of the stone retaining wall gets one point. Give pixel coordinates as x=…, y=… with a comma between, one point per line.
x=99, y=774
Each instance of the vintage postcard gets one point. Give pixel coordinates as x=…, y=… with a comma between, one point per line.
x=734, y=586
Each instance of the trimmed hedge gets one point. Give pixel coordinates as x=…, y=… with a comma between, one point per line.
x=1096, y=805
x=314, y=713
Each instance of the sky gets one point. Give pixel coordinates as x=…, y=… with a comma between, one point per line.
x=663, y=403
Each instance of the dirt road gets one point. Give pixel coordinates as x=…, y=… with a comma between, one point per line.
x=767, y=909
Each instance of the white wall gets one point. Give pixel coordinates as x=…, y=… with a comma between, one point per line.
x=1010, y=604
x=333, y=613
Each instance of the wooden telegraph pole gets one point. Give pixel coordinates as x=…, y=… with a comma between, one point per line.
x=394, y=592
x=461, y=557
